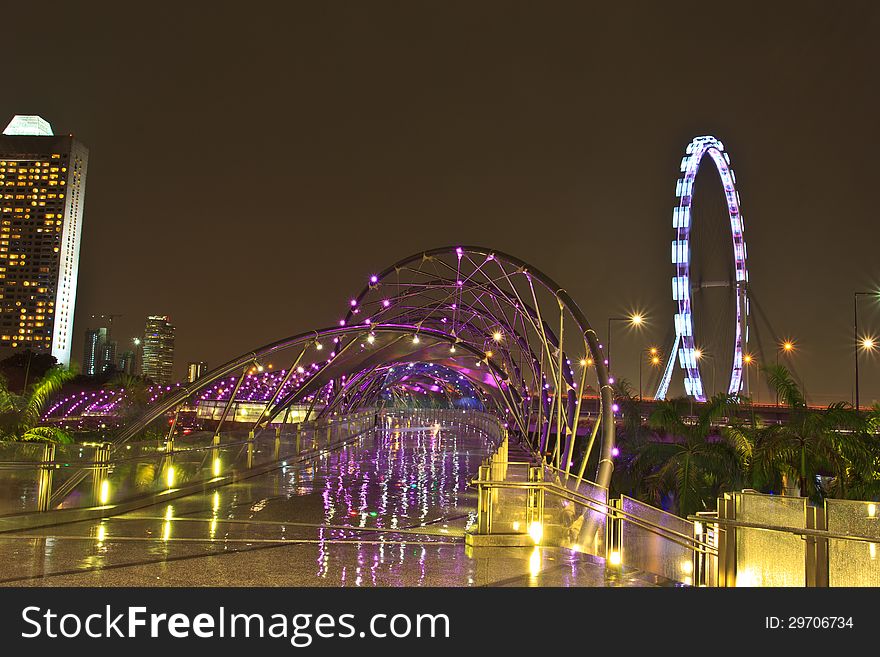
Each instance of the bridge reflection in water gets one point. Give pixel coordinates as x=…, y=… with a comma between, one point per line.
x=389, y=509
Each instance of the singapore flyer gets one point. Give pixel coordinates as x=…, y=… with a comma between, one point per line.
x=710, y=285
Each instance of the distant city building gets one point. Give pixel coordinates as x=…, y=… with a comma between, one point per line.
x=108, y=356
x=94, y=350
x=158, y=349
x=196, y=370
x=42, y=188
x=128, y=363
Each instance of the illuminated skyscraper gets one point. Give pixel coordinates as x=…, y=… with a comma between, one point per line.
x=158, y=346
x=42, y=189
x=196, y=370
x=94, y=351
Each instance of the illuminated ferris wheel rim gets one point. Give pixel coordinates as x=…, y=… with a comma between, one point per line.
x=686, y=349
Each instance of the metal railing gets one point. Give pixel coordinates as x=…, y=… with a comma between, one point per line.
x=751, y=540
x=772, y=540
x=536, y=504
x=39, y=478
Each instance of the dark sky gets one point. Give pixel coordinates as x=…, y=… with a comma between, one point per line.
x=252, y=163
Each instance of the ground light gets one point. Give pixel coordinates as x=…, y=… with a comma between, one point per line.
x=536, y=531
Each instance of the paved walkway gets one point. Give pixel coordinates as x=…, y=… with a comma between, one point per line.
x=389, y=510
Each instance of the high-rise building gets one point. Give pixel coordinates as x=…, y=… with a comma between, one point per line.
x=94, y=351
x=108, y=356
x=196, y=370
x=42, y=189
x=128, y=362
x=158, y=346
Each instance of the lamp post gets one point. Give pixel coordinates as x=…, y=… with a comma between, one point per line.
x=700, y=355
x=785, y=347
x=636, y=319
x=654, y=360
x=748, y=359
x=867, y=343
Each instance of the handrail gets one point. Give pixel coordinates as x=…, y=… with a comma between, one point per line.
x=609, y=511
x=798, y=531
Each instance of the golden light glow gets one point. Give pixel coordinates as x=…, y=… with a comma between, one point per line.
x=583, y=362
x=169, y=476
x=535, y=562
x=747, y=359
x=489, y=354
x=319, y=346
x=868, y=344
x=497, y=336
x=655, y=360
x=416, y=339
x=104, y=495
x=872, y=510
x=371, y=338
x=687, y=567
x=215, y=502
x=515, y=525
x=101, y=533
x=536, y=531
x=614, y=558
x=653, y=351
x=788, y=345
x=216, y=467
x=698, y=353
x=636, y=319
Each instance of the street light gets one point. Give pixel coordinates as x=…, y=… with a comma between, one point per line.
x=866, y=344
x=856, y=296
x=787, y=347
x=635, y=319
x=748, y=359
x=699, y=354
x=654, y=360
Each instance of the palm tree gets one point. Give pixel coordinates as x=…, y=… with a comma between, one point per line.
x=20, y=415
x=137, y=393
x=831, y=442
x=688, y=460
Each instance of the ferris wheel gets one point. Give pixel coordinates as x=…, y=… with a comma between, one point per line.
x=710, y=286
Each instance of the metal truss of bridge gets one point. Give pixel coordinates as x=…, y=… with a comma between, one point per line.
x=467, y=327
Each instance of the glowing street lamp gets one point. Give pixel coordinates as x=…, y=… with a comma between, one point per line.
x=867, y=344
x=654, y=360
x=748, y=360
x=635, y=319
x=787, y=347
x=699, y=354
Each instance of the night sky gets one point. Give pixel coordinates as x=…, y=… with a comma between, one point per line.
x=252, y=163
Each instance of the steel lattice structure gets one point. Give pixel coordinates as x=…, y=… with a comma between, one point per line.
x=684, y=346
x=509, y=333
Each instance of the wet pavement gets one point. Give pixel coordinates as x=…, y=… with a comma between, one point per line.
x=387, y=510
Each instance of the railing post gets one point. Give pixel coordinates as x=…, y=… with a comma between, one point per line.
x=726, y=540
x=216, y=466
x=169, y=462
x=44, y=483
x=484, y=502
x=535, y=499
x=277, y=452
x=100, y=486
x=250, y=449
x=613, y=531
x=816, y=559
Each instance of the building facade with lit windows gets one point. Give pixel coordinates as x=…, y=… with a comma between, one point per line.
x=42, y=191
x=196, y=370
x=158, y=349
